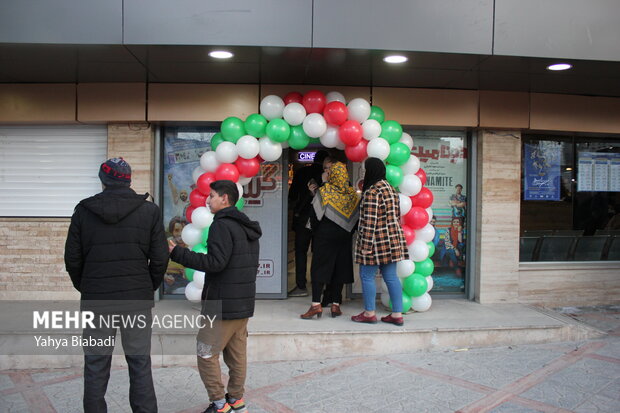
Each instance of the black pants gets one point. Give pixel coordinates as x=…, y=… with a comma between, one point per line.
x=97, y=361
x=332, y=293
x=303, y=237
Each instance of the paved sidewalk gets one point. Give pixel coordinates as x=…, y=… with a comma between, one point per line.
x=559, y=377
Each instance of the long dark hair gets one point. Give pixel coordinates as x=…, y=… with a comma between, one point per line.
x=375, y=171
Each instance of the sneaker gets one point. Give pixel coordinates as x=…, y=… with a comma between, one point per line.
x=213, y=409
x=361, y=318
x=393, y=320
x=238, y=405
x=298, y=292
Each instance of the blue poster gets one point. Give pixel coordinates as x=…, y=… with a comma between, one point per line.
x=541, y=164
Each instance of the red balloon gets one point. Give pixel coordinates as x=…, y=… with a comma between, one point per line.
x=314, y=101
x=197, y=198
x=227, y=171
x=204, y=181
x=350, y=132
x=423, y=199
x=293, y=97
x=422, y=175
x=247, y=167
x=188, y=213
x=409, y=234
x=335, y=113
x=416, y=218
x=357, y=153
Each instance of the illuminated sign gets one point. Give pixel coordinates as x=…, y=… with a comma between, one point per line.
x=305, y=156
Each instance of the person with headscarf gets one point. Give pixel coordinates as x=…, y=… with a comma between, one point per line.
x=380, y=243
x=335, y=206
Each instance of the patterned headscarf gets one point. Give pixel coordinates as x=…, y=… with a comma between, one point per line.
x=337, y=200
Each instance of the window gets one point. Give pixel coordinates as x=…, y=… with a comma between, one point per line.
x=46, y=170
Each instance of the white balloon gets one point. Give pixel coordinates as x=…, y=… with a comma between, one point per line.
x=421, y=303
x=334, y=96
x=411, y=184
x=406, y=139
x=244, y=180
x=197, y=172
x=429, y=211
x=405, y=204
x=426, y=233
x=240, y=189
x=418, y=250
x=405, y=268
x=247, y=147
x=359, y=109
x=191, y=235
x=209, y=162
x=226, y=152
x=202, y=217
x=284, y=144
x=430, y=282
x=378, y=148
x=272, y=107
x=294, y=113
x=269, y=150
x=411, y=166
x=340, y=145
x=330, y=138
x=192, y=292
x=371, y=129
x=385, y=300
x=314, y=125
x=199, y=279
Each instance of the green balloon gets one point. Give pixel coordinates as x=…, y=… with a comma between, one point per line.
x=399, y=154
x=406, y=302
x=377, y=114
x=232, y=129
x=431, y=248
x=240, y=204
x=414, y=286
x=425, y=267
x=205, y=236
x=298, y=139
x=255, y=125
x=200, y=248
x=315, y=140
x=391, y=131
x=278, y=130
x=216, y=140
x=189, y=274
x=394, y=175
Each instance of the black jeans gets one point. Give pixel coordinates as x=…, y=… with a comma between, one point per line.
x=332, y=293
x=97, y=361
x=303, y=238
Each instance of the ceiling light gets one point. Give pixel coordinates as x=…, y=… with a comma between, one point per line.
x=395, y=59
x=559, y=66
x=221, y=54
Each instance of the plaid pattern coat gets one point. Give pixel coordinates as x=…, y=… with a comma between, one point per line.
x=379, y=228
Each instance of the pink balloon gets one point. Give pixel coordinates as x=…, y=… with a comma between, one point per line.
x=204, y=181
x=314, y=101
x=350, y=132
x=197, y=198
x=227, y=171
x=188, y=213
x=416, y=218
x=293, y=97
x=357, y=153
x=409, y=234
x=423, y=199
x=335, y=113
x=247, y=167
x=422, y=175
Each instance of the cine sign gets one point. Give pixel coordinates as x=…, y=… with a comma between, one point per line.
x=305, y=156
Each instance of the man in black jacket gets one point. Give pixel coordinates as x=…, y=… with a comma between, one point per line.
x=116, y=250
x=230, y=266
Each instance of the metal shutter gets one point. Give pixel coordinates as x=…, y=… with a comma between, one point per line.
x=46, y=170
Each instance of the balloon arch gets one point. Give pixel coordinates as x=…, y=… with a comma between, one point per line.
x=296, y=121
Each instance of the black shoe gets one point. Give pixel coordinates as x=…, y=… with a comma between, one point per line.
x=298, y=292
x=213, y=409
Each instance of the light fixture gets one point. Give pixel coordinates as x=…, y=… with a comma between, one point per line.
x=559, y=66
x=221, y=54
x=395, y=59
x=569, y=169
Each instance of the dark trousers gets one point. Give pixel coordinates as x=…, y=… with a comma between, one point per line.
x=332, y=293
x=303, y=238
x=97, y=361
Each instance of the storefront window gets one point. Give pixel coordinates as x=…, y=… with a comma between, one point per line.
x=570, y=204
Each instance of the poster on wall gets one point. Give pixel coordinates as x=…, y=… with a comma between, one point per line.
x=262, y=195
x=541, y=171
x=599, y=172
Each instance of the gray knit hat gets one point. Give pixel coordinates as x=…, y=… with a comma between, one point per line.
x=115, y=172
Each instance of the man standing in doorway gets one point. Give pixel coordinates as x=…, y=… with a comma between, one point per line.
x=116, y=253
x=230, y=267
x=301, y=198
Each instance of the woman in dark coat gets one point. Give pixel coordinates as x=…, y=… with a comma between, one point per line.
x=336, y=207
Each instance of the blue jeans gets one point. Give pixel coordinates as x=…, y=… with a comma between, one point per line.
x=369, y=291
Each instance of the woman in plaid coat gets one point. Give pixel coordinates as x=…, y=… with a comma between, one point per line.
x=380, y=243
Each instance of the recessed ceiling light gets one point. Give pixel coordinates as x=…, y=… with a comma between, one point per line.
x=559, y=66
x=221, y=54
x=395, y=59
